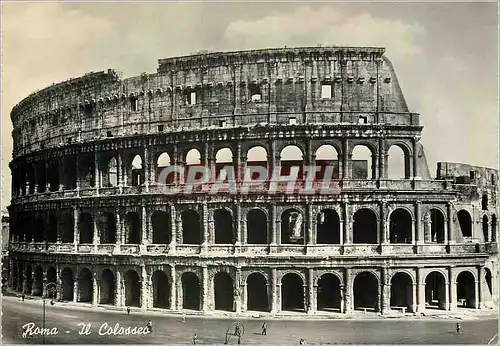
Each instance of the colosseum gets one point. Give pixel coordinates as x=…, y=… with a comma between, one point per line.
x=89, y=212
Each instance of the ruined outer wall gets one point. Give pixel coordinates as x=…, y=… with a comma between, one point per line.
x=363, y=83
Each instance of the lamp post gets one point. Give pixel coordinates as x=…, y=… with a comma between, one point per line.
x=51, y=287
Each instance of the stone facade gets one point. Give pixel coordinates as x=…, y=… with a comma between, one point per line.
x=89, y=212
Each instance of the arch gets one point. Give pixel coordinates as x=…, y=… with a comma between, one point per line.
x=193, y=157
x=86, y=229
x=223, y=291
x=67, y=284
x=161, y=290
x=257, y=227
x=132, y=288
x=484, y=202
x=435, y=290
x=256, y=157
x=292, y=227
x=51, y=278
x=132, y=228
x=402, y=291
x=465, y=223
x=292, y=293
x=400, y=227
x=224, y=155
x=398, y=165
x=365, y=290
x=86, y=286
x=67, y=228
x=466, y=289
x=161, y=164
x=493, y=228
x=327, y=155
x=163, y=160
x=107, y=228
x=328, y=227
x=107, y=287
x=223, y=224
x=112, y=172
x=291, y=161
x=52, y=229
x=291, y=153
x=362, y=163
x=137, y=171
x=38, y=281
x=190, y=291
x=191, y=227
x=485, y=228
x=365, y=228
x=437, y=226
x=40, y=229
x=257, y=296
x=160, y=222
x=329, y=293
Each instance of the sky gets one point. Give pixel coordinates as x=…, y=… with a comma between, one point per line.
x=445, y=54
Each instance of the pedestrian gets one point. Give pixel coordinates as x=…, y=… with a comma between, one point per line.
x=239, y=339
x=150, y=326
x=302, y=342
x=128, y=310
x=183, y=317
x=264, y=328
x=22, y=297
x=194, y=338
x=458, y=327
x=25, y=332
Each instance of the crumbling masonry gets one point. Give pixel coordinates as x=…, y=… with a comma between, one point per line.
x=89, y=214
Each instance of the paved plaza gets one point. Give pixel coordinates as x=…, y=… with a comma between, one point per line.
x=169, y=329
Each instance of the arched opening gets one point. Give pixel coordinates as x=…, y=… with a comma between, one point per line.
x=493, y=228
x=291, y=161
x=329, y=296
x=224, y=292
x=112, y=172
x=485, y=228
x=400, y=227
x=257, y=227
x=484, y=202
x=191, y=227
x=466, y=290
x=40, y=229
x=257, y=297
x=223, y=224
x=366, y=291
x=85, y=286
x=437, y=226
x=365, y=227
x=51, y=278
x=52, y=229
x=362, y=163
x=327, y=156
x=67, y=284
x=137, y=172
x=465, y=222
x=161, y=290
x=132, y=228
x=161, y=164
x=132, y=288
x=68, y=229
x=401, y=291
x=256, y=157
x=292, y=227
x=328, y=227
x=161, y=227
x=29, y=279
x=398, y=165
x=435, y=291
x=190, y=291
x=107, y=228
x=292, y=293
x=224, y=164
x=193, y=157
x=38, y=282
x=86, y=229
x=107, y=287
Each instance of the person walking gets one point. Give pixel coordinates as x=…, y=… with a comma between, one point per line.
x=458, y=327
x=194, y=338
x=264, y=329
x=183, y=317
x=150, y=326
x=302, y=341
x=128, y=310
x=22, y=297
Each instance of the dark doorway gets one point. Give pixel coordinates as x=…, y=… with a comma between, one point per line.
x=107, y=287
x=256, y=227
x=161, y=290
x=132, y=289
x=329, y=296
x=190, y=291
x=400, y=227
x=401, y=291
x=466, y=290
x=328, y=227
x=435, y=291
x=191, y=227
x=365, y=227
x=85, y=286
x=366, y=291
x=292, y=293
x=257, y=299
x=223, y=222
x=223, y=290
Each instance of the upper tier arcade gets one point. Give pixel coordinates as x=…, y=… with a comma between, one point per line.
x=313, y=85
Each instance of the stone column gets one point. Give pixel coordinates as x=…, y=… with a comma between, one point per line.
x=448, y=235
x=173, y=228
x=348, y=308
x=97, y=172
x=33, y=289
x=347, y=224
x=205, y=295
x=414, y=304
x=382, y=159
x=95, y=290
x=310, y=224
x=76, y=229
x=341, y=233
x=47, y=174
x=118, y=288
x=147, y=174
x=345, y=160
x=173, y=287
x=477, y=289
x=419, y=231
x=238, y=221
x=386, y=290
x=382, y=236
x=453, y=289
x=95, y=217
x=238, y=170
x=237, y=292
x=75, y=290
x=273, y=224
x=312, y=301
x=420, y=290
x=145, y=288
x=274, y=291
x=119, y=227
x=119, y=170
x=447, y=295
x=25, y=280
x=60, y=171
x=206, y=221
x=415, y=158
x=144, y=224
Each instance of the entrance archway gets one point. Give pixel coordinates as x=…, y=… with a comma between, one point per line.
x=466, y=290
x=329, y=296
x=107, y=287
x=328, y=227
x=67, y=284
x=401, y=291
x=190, y=291
x=223, y=291
x=365, y=227
x=257, y=298
x=435, y=296
x=132, y=289
x=366, y=291
x=256, y=227
x=85, y=286
x=292, y=293
x=161, y=290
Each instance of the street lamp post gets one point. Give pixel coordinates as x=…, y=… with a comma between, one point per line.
x=51, y=287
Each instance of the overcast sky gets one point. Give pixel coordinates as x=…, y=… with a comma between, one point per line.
x=445, y=54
